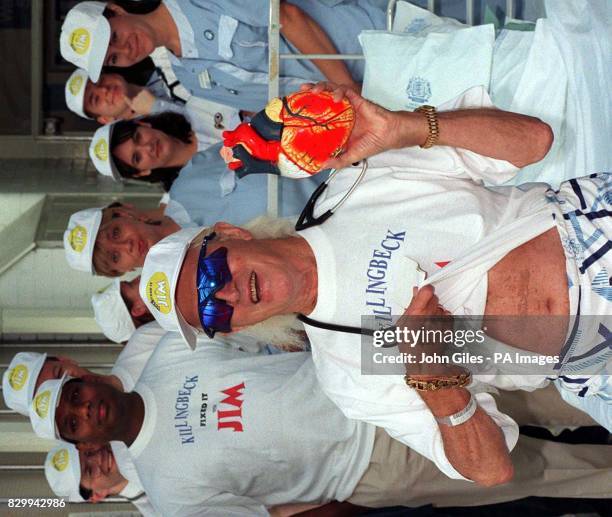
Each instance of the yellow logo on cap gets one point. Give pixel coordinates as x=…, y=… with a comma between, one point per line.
x=60, y=460
x=80, y=40
x=158, y=292
x=42, y=403
x=101, y=150
x=75, y=84
x=78, y=238
x=18, y=377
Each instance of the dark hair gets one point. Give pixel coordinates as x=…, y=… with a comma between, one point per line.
x=134, y=6
x=173, y=124
x=86, y=493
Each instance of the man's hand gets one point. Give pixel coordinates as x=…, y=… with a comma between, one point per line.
x=376, y=128
x=426, y=314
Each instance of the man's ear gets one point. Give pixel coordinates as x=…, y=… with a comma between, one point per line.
x=142, y=174
x=98, y=496
x=94, y=378
x=229, y=231
x=138, y=309
x=117, y=9
x=105, y=120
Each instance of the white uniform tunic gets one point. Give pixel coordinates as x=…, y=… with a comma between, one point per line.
x=227, y=432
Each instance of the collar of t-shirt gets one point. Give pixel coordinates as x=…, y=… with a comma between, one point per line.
x=185, y=31
x=148, y=424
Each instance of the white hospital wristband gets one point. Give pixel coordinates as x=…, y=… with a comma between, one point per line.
x=461, y=416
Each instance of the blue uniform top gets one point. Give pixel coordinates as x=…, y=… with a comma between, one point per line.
x=197, y=195
x=224, y=46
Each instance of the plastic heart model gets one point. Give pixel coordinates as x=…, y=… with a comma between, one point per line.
x=293, y=136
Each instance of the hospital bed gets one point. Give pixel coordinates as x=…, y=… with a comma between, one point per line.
x=557, y=69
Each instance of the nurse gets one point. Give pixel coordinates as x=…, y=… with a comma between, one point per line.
x=164, y=148
x=220, y=51
x=142, y=89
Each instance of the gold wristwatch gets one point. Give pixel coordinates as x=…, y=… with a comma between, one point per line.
x=432, y=121
x=439, y=383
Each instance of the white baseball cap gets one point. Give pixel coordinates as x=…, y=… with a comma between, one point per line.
x=112, y=314
x=99, y=152
x=80, y=238
x=75, y=92
x=19, y=381
x=63, y=472
x=43, y=406
x=159, y=278
x=85, y=37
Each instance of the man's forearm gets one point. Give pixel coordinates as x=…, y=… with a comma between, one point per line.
x=309, y=38
x=519, y=139
x=476, y=448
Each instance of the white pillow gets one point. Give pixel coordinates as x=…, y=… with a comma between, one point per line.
x=403, y=71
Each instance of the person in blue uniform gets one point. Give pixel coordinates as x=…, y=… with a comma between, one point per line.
x=220, y=49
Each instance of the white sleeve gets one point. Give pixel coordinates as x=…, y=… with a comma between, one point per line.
x=131, y=361
x=385, y=401
x=426, y=439
x=448, y=161
x=164, y=199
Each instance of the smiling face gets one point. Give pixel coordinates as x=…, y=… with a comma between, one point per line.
x=107, y=98
x=132, y=39
x=270, y=277
x=99, y=472
x=123, y=241
x=137, y=308
x=148, y=149
x=91, y=412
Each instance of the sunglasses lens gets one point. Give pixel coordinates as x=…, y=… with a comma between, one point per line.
x=213, y=274
x=215, y=316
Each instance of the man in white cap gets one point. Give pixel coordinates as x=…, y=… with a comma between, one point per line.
x=85, y=36
x=113, y=240
x=119, y=309
x=27, y=371
x=92, y=474
x=158, y=282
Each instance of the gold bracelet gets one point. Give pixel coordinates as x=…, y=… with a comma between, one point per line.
x=437, y=383
x=432, y=122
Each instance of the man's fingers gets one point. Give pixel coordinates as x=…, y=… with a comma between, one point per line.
x=421, y=300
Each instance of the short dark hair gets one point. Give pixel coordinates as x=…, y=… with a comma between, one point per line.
x=86, y=493
x=173, y=124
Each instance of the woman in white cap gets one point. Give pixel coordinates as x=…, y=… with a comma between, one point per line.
x=142, y=89
x=220, y=49
x=165, y=148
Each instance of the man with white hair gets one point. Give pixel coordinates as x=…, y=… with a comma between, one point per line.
x=487, y=252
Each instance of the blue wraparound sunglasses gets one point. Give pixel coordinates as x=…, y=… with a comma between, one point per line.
x=213, y=273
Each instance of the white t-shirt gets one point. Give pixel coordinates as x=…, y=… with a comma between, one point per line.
x=133, y=490
x=135, y=354
x=229, y=433
x=416, y=208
